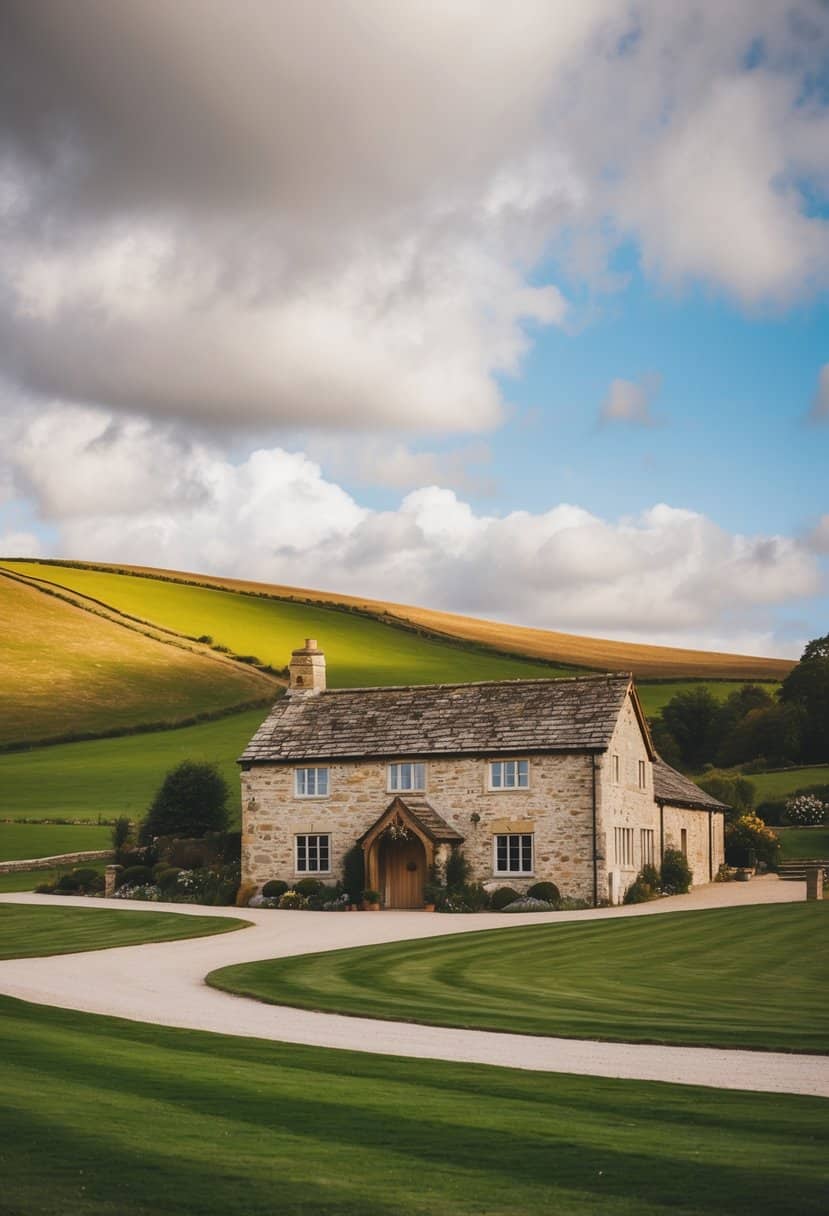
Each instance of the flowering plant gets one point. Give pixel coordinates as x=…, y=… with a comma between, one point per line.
x=397, y=830
x=806, y=810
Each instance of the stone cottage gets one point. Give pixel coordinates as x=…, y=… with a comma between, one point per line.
x=535, y=779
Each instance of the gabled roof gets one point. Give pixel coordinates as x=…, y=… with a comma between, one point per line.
x=672, y=788
x=495, y=717
x=419, y=812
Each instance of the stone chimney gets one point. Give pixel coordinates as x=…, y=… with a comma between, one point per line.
x=307, y=668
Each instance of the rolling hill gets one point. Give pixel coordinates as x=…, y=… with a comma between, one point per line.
x=105, y=649
x=547, y=645
x=65, y=670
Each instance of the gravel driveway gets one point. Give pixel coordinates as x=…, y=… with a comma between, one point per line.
x=164, y=983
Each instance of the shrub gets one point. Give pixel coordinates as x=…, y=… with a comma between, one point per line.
x=640, y=890
x=503, y=896
x=68, y=884
x=806, y=810
x=121, y=830
x=525, y=903
x=135, y=876
x=457, y=869
x=46, y=888
x=748, y=834
x=370, y=896
x=166, y=877
x=309, y=887
x=675, y=877
x=548, y=891
x=354, y=874
x=292, y=900
x=650, y=875
x=274, y=888
x=772, y=812
x=192, y=801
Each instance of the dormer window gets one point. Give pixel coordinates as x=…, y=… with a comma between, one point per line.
x=407, y=776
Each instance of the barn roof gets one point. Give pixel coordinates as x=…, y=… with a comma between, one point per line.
x=501, y=716
x=671, y=788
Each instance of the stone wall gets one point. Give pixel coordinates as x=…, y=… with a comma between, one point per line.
x=50, y=863
x=695, y=824
x=557, y=809
x=625, y=804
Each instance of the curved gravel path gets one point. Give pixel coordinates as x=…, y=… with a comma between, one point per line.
x=164, y=983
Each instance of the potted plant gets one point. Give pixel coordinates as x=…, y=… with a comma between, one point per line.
x=371, y=901
x=431, y=895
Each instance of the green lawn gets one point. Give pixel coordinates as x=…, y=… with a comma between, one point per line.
x=31, y=931
x=27, y=880
x=779, y=785
x=804, y=842
x=111, y=777
x=103, y=1117
x=359, y=650
x=24, y=840
x=744, y=977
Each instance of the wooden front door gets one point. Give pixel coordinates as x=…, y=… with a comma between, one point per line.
x=402, y=872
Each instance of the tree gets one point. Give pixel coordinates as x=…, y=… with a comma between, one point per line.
x=773, y=734
x=736, y=792
x=191, y=802
x=807, y=688
x=692, y=717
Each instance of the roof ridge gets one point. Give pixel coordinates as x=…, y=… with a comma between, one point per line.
x=590, y=677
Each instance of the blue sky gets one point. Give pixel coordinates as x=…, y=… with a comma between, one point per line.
x=520, y=313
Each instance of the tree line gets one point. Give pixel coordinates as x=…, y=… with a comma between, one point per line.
x=752, y=726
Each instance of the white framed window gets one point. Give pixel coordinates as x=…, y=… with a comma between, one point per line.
x=646, y=841
x=509, y=775
x=615, y=768
x=407, y=776
x=623, y=840
x=313, y=854
x=513, y=853
x=642, y=777
x=311, y=782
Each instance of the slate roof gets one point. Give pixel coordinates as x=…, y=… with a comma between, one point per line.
x=672, y=788
x=423, y=813
x=499, y=716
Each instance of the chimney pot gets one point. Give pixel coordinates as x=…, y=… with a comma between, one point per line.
x=307, y=668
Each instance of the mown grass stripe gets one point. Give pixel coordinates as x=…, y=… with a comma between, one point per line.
x=751, y=977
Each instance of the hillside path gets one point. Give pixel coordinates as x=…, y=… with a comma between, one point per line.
x=163, y=983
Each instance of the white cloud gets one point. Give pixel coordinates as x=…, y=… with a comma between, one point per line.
x=333, y=215
x=628, y=401
x=818, y=538
x=820, y=405
x=667, y=575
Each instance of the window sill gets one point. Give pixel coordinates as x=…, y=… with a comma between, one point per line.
x=514, y=874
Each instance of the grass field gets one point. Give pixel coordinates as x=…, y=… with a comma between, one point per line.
x=781, y=784
x=102, y=1117
x=63, y=669
x=27, y=880
x=555, y=647
x=111, y=777
x=804, y=842
x=23, y=840
x=735, y=977
x=359, y=650
x=30, y=932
